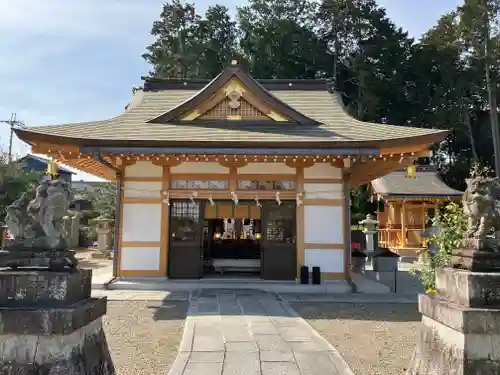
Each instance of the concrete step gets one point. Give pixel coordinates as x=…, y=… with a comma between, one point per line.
x=163, y=284
x=365, y=285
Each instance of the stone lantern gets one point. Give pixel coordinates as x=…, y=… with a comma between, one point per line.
x=104, y=238
x=370, y=229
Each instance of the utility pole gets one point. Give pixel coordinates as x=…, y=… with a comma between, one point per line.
x=12, y=123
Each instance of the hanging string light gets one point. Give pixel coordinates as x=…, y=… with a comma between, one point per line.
x=278, y=200
x=194, y=195
x=167, y=198
x=234, y=197
x=256, y=199
x=298, y=200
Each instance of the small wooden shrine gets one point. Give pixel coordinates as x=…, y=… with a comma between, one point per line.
x=411, y=199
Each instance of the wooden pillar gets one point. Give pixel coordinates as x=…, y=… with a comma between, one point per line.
x=165, y=219
x=424, y=215
x=117, y=270
x=233, y=178
x=403, y=224
x=300, y=220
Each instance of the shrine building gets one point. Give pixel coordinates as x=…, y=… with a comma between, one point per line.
x=233, y=176
x=410, y=202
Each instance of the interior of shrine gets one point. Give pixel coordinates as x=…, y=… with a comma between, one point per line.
x=231, y=235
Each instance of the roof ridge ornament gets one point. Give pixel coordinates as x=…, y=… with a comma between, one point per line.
x=236, y=84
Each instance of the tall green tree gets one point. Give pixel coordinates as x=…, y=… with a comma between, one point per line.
x=174, y=52
x=189, y=46
x=14, y=181
x=480, y=21
x=366, y=47
x=278, y=40
x=217, y=34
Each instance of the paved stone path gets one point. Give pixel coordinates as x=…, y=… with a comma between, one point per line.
x=233, y=332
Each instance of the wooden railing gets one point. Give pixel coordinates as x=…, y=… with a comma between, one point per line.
x=393, y=238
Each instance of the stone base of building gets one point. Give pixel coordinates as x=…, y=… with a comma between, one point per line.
x=456, y=338
x=50, y=325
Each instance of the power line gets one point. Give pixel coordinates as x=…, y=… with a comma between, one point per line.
x=12, y=122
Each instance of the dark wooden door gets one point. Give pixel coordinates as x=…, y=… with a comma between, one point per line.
x=279, y=250
x=185, y=255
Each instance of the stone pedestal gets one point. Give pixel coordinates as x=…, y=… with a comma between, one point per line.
x=50, y=325
x=460, y=331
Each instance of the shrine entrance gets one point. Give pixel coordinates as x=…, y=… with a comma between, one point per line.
x=224, y=239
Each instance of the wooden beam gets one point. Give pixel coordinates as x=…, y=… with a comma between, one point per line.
x=362, y=173
x=166, y=162
x=233, y=163
x=47, y=148
x=299, y=163
x=404, y=149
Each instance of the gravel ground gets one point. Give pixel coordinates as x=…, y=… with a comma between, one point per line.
x=374, y=339
x=144, y=336
x=85, y=259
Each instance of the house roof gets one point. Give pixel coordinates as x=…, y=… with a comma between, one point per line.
x=314, y=115
x=46, y=161
x=427, y=184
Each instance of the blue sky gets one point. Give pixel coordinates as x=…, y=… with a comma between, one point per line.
x=77, y=60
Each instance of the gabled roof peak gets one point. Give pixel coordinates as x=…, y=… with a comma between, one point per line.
x=274, y=84
x=234, y=84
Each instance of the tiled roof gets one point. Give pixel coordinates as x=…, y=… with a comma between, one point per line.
x=335, y=124
x=426, y=184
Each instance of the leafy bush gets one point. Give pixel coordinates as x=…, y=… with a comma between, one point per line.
x=103, y=199
x=453, y=224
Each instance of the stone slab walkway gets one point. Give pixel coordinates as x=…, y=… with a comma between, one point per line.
x=233, y=332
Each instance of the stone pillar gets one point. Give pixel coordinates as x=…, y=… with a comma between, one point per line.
x=66, y=226
x=50, y=324
x=460, y=332
x=74, y=236
x=104, y=239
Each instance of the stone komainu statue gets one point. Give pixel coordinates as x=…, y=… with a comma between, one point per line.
x=481, y=204
x=37, y=223
x=37, y=227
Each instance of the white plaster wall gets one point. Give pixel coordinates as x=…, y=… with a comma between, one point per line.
x=323, y=191
x=142, y=189
x=266, y=168
x=195, y=167
x=143, y=169
x=141, y=222
x=140, y=258
x=327, y=260
x=322, y=170
x=323, y=224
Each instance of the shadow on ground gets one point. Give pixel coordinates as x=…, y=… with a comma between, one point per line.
x=358, y=311
x=173, y=307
